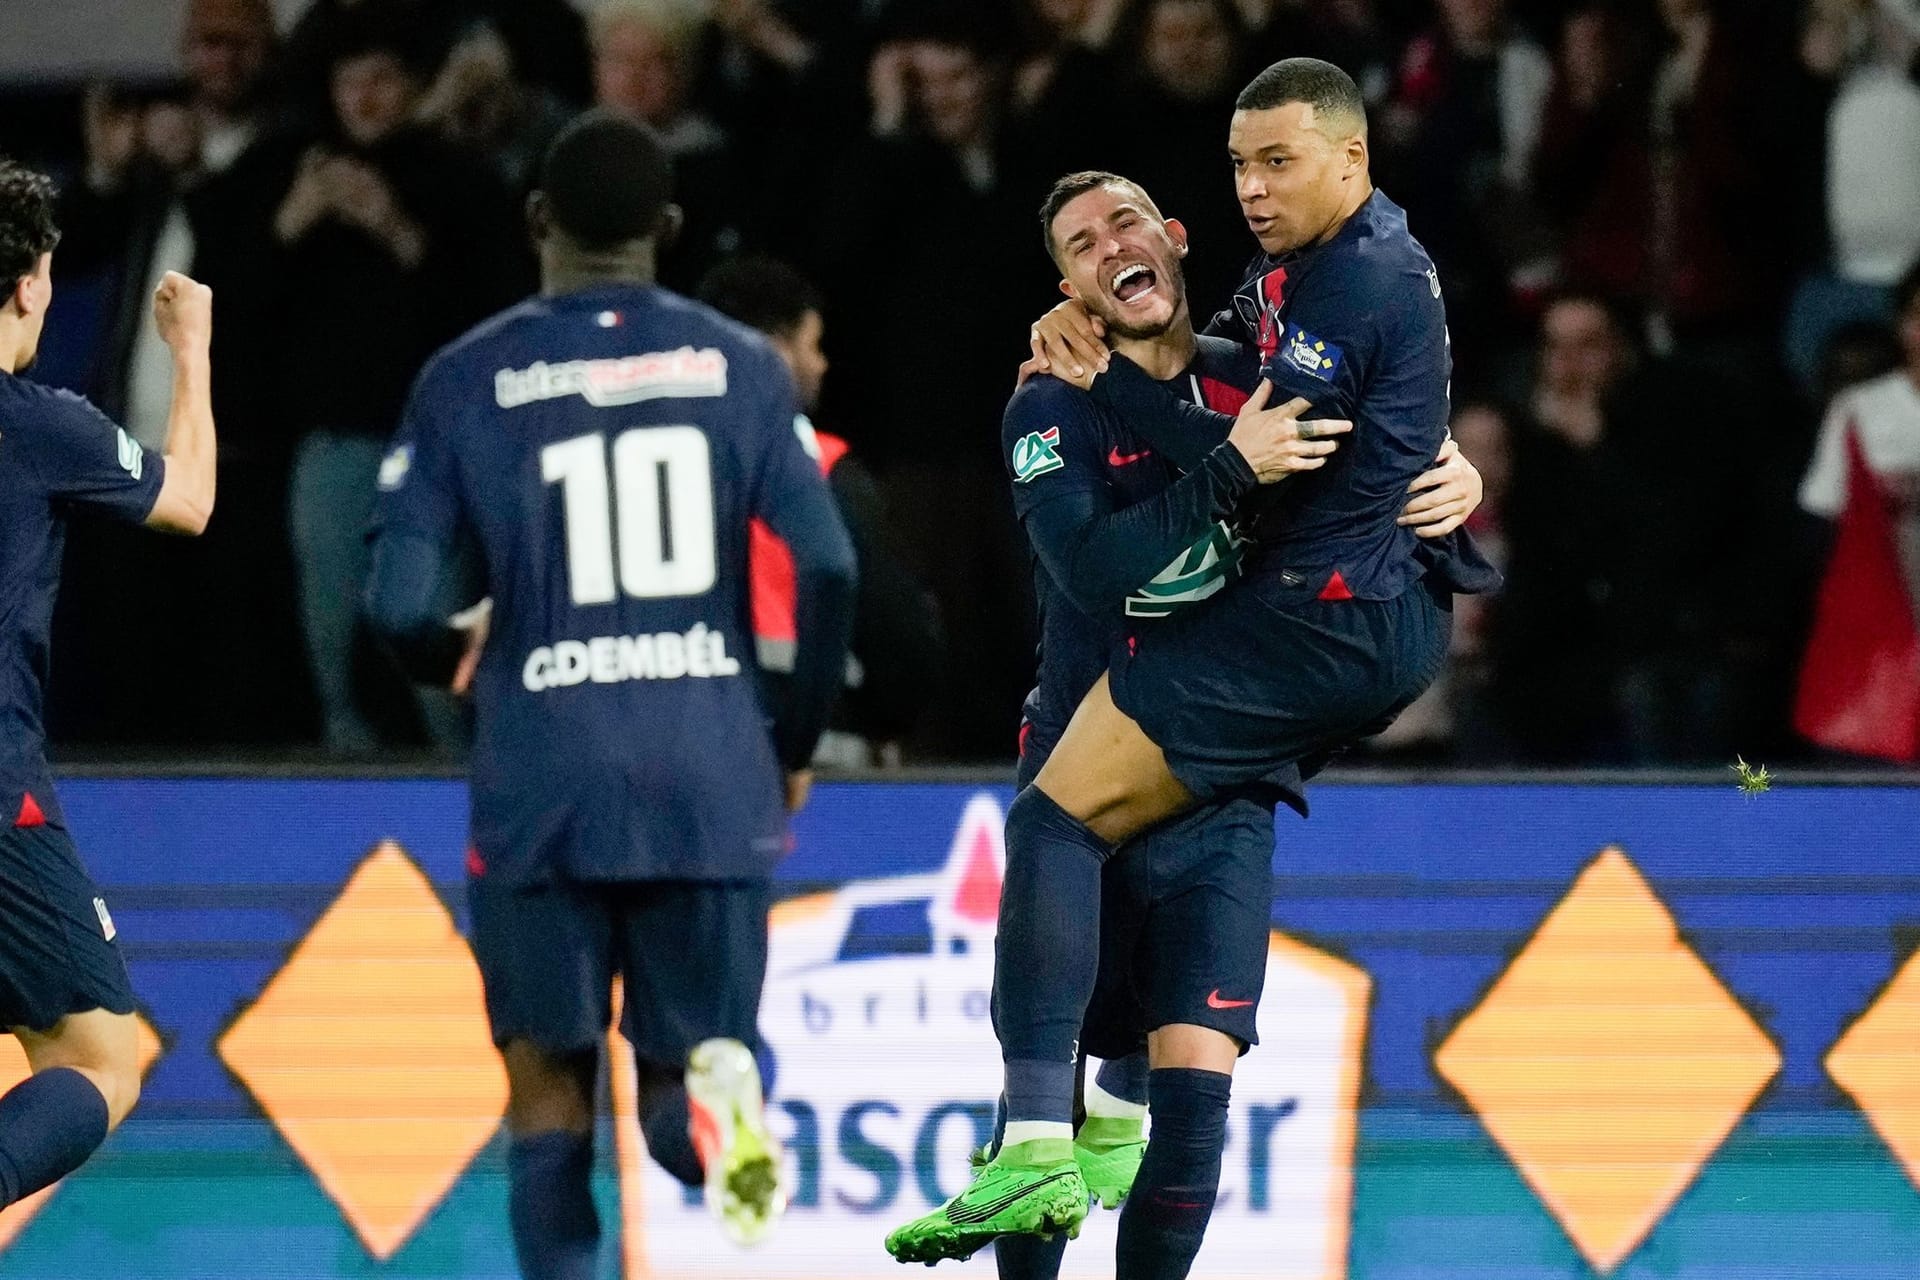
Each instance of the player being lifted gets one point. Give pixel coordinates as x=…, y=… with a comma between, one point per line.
x=604, y=447
x=63, y=985
x=1343, y=619
x=1122, y=538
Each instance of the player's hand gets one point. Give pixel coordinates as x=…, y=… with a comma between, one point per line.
x=1276, y=443
x=183, y=314
x=799, y=787
x=476, y=622
x=1069, y=342
x=1444, y=497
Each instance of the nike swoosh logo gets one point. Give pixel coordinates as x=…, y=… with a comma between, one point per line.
x=970, y=1214
x=1215, y=1002
x=1115, y=458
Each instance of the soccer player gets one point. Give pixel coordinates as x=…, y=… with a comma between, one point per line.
x=63, y=984
x=1122, y=539
x=606, y=446
x=1341, y=623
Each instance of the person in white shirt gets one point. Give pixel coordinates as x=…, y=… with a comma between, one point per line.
x=1884, y=414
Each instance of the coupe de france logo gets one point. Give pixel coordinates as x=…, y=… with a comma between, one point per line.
x=877, y=1013
x=1035, y=454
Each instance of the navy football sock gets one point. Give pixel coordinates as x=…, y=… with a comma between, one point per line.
x=666, y=1120
x=1165, y=1216
x=1046, y=953
x=49, y=1124
x=1125, y=1078
x=1029, y=1257
x=556, y=1229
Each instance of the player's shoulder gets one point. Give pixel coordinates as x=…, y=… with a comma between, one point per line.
x=1383, y=257
x=30, y=411
x=1045, y=399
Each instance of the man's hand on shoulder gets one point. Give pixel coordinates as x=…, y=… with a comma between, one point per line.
x=1068, y=342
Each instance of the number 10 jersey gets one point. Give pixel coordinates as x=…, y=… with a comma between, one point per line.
x=602, y=454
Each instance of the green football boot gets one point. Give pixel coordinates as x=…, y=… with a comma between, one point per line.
x=1034, y=1189
x=1109, y=1153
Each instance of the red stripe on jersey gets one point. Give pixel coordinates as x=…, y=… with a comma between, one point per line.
x=1222, y=397
x=476, y=865
x=30, y=815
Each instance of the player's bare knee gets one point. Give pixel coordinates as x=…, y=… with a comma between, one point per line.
x=548, y=1091
x=1195, y=1048
x=102, y=1046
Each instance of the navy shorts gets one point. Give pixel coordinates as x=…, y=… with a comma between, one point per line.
x=1185, y=914
x=691, y=956
x=57, y=950
x=1267, y=673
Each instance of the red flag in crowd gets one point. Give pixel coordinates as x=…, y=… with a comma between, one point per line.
x=1860, y=680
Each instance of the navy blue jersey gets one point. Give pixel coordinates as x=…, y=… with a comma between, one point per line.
x=58, y=454
x=1120, y=535
x=604, y=452
x=1356, y=326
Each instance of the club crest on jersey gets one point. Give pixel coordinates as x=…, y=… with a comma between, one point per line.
x=654, y=375
x=1310, y=355
x=1035, y=454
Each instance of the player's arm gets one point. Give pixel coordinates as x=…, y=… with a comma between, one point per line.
x=183, y=314
x=792, y=497
x=416, y=532
x=1096, y=553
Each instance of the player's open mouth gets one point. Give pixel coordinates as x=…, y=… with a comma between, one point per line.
x=1132, y=283
x=1260, y=224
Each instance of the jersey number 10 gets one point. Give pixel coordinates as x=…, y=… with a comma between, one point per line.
x=661, y=504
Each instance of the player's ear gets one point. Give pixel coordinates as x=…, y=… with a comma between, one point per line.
x=667, y=230
x=1177, y=232
x=1066, y=287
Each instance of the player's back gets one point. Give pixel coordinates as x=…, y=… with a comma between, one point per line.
x=619, y=441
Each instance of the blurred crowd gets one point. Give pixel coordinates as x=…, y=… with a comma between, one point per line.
x=1676, y=238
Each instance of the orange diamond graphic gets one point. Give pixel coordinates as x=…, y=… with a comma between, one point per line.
x=13, y=1069
x=369, y=1052
x=1608, y=1061
x=1878, y=1062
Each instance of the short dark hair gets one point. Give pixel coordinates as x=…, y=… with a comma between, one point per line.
x=1908, y=289
x=764, y=293
x=1075, y=185
x=1321, y=85
x=607, y=180
x=27, y=228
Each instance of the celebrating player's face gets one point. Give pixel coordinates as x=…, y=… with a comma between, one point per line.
x=1122, y=260
x=1292, y=171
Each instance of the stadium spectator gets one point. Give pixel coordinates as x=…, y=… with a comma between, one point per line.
x=1457, y=145
x=1455, y=719
x=1883, y=414
x=926, y=238
x=479, y=100
x=391, y=241
x=1872, y=188
x=896, y=653
x=185, y=179
x=545, y=38
x=644, y=66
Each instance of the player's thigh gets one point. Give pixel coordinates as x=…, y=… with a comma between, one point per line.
x=547, y=955
x=58, y=950
x=1204, y=947
x=1107, y=773
x=693, y=960
x=101, y=1045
